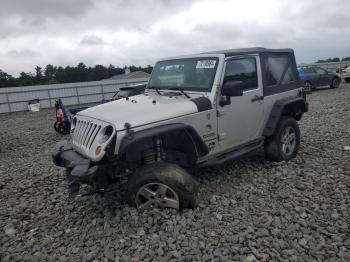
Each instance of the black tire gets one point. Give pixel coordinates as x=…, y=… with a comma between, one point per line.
x=347, y=80
x=170, y=175
x=335, y=83
x=308, y=86
x=63, y=128
x=274, y=147
x=55, y=125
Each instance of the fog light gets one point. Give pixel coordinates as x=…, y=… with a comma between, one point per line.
x=98, y=150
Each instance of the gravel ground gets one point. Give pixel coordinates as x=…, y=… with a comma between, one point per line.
x=248, y=210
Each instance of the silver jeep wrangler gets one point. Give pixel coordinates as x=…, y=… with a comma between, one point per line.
x=198, y=110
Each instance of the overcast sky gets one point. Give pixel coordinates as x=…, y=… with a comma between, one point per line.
x=65, y=32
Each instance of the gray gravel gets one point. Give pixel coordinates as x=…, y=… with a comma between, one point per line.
x=249, y=210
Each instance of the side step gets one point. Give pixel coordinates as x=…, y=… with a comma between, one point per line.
x=240, y=151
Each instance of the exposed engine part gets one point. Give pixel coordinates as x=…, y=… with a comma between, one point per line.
x=159, y=151
x=149, y=156
x=156, y=154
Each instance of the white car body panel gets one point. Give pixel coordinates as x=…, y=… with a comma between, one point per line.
x=141, y=109
x=346, y=72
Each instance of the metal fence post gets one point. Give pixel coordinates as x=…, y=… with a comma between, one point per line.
x=8, y=101
x=76, y=91
x=49, y=95
x=103, y=94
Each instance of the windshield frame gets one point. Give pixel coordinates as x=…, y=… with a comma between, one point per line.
x=187, y=88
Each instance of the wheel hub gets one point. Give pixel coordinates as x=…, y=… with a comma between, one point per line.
x=307, y=86
x=288, y=141
x=156, y=195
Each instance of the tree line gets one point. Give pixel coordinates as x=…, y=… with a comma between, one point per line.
x=69, y=74
x=335, y=59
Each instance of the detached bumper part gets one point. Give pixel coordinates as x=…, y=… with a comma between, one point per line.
x=79, y=168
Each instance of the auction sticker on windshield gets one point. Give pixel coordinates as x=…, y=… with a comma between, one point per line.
x=206, y=64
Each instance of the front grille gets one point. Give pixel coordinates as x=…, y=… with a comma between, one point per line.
x=85, y=132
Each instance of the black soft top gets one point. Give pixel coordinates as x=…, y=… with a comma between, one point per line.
x=266, y=54
x=251, y=50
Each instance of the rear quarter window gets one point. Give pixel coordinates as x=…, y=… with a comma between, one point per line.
x=280, y=69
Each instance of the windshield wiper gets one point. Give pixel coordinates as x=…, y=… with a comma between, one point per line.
x=157, y=88
x=181, y=90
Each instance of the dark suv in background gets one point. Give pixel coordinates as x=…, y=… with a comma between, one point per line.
x=315, y=76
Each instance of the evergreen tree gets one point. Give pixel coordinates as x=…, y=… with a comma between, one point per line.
x=69, y=74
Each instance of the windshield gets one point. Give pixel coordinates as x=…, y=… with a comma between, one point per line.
x=191, y=74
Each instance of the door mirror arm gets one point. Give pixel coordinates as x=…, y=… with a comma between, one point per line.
x=225, y=101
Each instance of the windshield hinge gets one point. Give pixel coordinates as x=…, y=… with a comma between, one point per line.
x=220, y=112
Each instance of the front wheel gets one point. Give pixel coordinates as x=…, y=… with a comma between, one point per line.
x=308, y=86
x=161, y=185
x=62, y=127
x=284, y=144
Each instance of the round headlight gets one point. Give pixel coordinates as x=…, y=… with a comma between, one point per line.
x=106, y=134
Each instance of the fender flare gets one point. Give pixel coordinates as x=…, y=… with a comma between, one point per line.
x=134, y=137
x=293, y=106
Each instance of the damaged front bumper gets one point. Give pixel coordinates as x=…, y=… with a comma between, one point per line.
x=80, y=170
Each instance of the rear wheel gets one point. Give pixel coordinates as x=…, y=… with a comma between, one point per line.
x=161, y=185
x=335, y=83
x=347, y=80
x=284, y=144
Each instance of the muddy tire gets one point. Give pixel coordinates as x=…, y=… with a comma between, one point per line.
x=161, y=185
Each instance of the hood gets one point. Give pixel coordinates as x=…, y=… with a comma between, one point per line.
x=142, y=109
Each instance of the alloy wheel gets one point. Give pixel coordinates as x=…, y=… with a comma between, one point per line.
x=288, y=141
x=156, y=195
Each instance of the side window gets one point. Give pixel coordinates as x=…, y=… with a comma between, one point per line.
x=242, y=70
x=309, y=70
x=278, y=66
x=320, y=71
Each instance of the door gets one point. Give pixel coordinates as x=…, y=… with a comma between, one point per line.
x=240, y=121
x=323, y=76
x=312, y=76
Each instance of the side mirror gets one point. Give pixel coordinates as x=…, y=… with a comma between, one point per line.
x=229, y=89
x=232, y=88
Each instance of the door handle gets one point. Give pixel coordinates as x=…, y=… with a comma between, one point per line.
x=257, y=98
